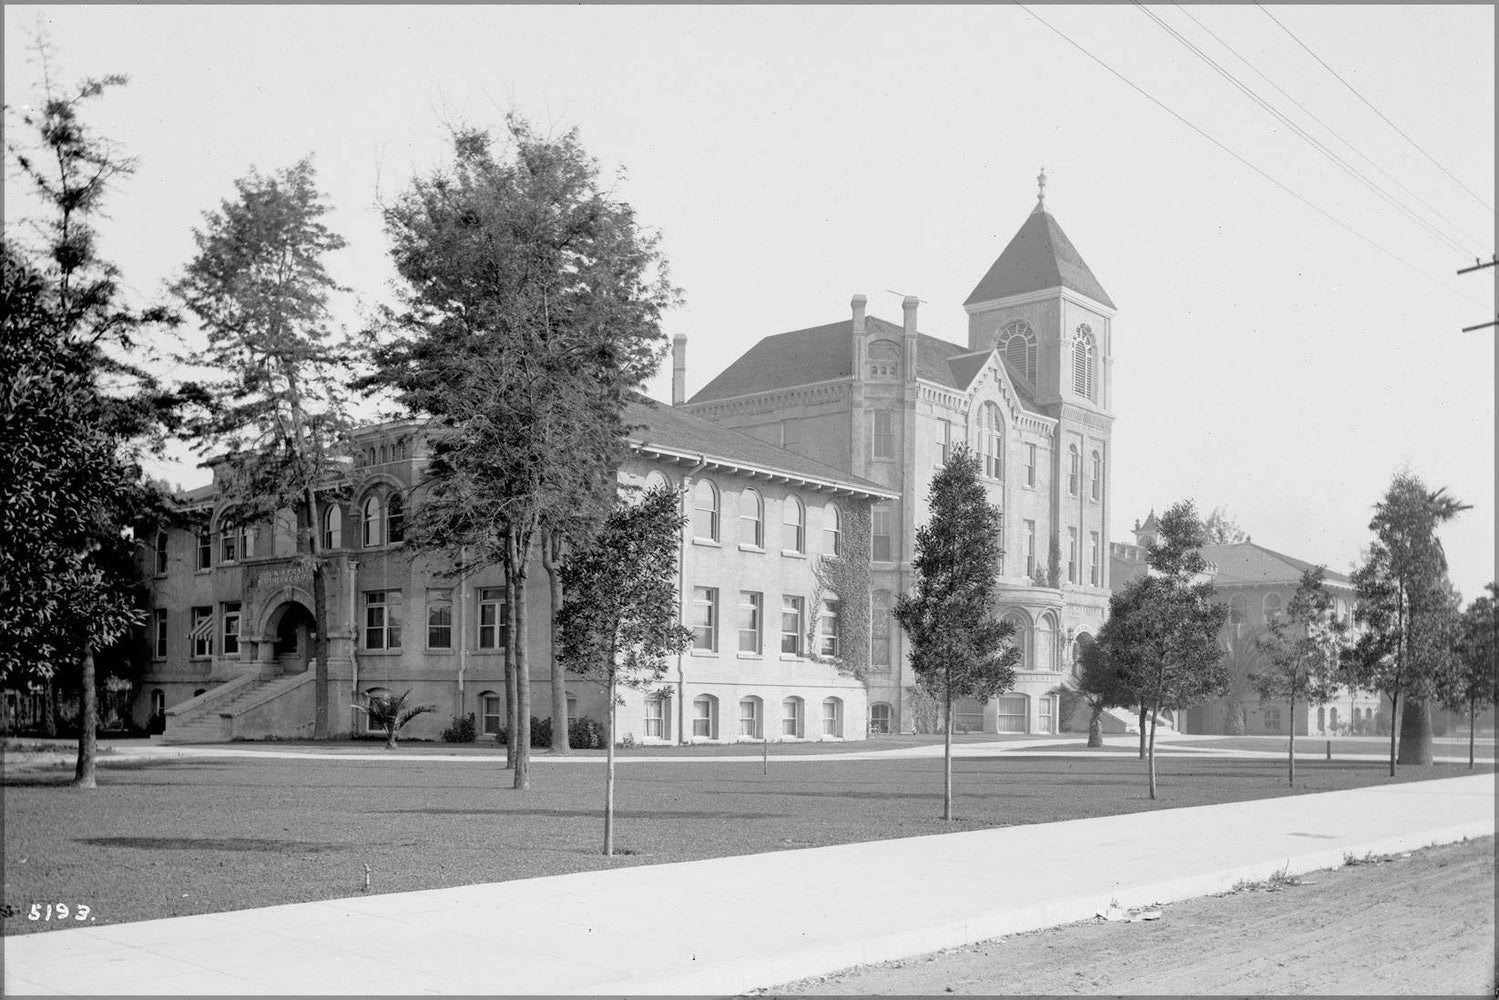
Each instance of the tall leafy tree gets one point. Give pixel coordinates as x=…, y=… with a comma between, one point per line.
x=273, y=408
x=1474, y=681
x=532, y=311
x=619, y=623
x=958, y=648
x=1403, y=603
x=75, y=416
x=1164, y=626
x=1303, y=647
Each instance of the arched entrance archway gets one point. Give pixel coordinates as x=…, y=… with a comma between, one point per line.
x=292, y=632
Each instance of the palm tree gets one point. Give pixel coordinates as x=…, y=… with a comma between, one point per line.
x=389, y=712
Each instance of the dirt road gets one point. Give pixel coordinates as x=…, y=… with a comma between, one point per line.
x=1417, y=924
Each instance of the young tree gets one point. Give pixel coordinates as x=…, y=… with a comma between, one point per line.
x=76, y=416
x=1104, y=684
x=533, y=305
x=391, y=713
x=1474, y=684
x=274, y=409
x=619, y=623
x=958, y=648
x=1402, y=600
x=1221, y=529
x=1164, y=626
x=1303, y=647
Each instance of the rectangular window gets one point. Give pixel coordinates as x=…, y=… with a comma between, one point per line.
x=231, y=628
x=202, y=633
x=1097, y=486
x=881, y=549
x=1030, y=465
x=944, y=442
x=705, y=618
x=205, y=549
x=792, y=609
x=161, y=553
x=829, y=628
x=884, y=435
x=382, y=619
x=751, y=608
x=440, y=619
x=879, y=640
x=1094, y=569
x=655, y=718
x=791, y=717
x=999, y=561
x=1030, y=547
x=1071, y=555
x=749, y=717
x=832, y=718
x=494, y=619
x=1272, y=719
x=159, y=633
x=702, y=718
x=228, y=545
x=493, y=716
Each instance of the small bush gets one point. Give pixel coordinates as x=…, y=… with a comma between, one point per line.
x=585, y=734
x=461, y=731
x=541, y=733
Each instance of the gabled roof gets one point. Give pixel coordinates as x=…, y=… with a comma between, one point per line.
x=1247, y=563
x=668, y=430
x=1039, y=256
x=824, y=353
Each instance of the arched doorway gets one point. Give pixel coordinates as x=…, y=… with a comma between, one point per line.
x=295, y=633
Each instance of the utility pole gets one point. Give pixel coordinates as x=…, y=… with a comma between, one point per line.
x=1479, y=265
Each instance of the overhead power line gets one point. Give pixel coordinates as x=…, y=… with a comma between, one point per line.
x=1455, y=227
x=1301, y=133
x=1479, y=265
x=1372, y=108
x=1305, y=201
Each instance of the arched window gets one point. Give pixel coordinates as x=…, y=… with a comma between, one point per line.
x=158, y=702
x=161, y=552
x=1020, y=638
x=1017, y=342
x=1074, y=469
x=832, y=531
x=793, y=525
x=655, y=479
x=492, y=713
x=751, y=519
x=1096, y=489
x=1080, y=647
x=656, y=714
x=792, y=717
x=879, y=719
x=1083, y=362
x=333, y=527
x=992, y=441
x=884, y=359
x=1238, y=609
x=705, y=511
x=832, y=718
x=395, y=518
x=705, y=717
x=750, y=717
x=374, y=522
x=1272, y=607
x=1046, y=643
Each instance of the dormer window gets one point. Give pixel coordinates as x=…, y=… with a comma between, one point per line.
x=1083, y=352
x=1017, y=342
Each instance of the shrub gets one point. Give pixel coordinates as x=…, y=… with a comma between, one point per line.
x=461, y=731
x=541, y=733
x=585, y=734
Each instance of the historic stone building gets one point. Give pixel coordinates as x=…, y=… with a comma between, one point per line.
x=1030, y=391
x=776, y=652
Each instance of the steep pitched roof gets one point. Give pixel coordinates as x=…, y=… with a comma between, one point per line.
x=658, y=427
x=1246, y=562
x=1038, y=256
x=965, y=367
x=824, y=353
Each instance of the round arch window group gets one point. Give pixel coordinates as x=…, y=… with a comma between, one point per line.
x=707, y=520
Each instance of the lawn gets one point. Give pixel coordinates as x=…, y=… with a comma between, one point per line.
x=196, y=836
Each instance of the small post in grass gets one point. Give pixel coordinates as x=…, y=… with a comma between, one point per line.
x=765, y=758
x=1329, y=749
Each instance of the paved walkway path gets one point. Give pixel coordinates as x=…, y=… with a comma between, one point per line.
x=727, y=925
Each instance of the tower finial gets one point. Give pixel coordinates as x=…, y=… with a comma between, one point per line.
x=1041, y=187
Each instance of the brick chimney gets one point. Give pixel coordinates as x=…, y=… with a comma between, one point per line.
x=857, y=303
x=679, y=369
x=908, y=307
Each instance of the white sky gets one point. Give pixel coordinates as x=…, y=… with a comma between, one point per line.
x=1265, y=358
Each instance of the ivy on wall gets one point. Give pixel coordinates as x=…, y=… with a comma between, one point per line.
x=848, y=577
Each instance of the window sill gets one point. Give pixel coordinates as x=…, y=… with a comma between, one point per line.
x=439, y=651
x=710, y=543
x=792, y=656
x=381, y=652
x=743, y=547
x=751, y=655
x=703, y=652
x=793, y=554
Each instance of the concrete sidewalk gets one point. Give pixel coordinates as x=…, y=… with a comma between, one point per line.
x=727, y=925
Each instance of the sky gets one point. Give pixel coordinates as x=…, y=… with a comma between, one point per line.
x=1287, y=338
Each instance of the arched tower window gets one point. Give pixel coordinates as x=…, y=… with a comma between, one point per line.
x=751, y=519
x=374, y=521
x=1083, y=351
x=1017, y=342
x=333, y=527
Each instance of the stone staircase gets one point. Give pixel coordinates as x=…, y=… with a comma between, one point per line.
x=206, y=722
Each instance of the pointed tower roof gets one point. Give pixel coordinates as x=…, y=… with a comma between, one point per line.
x=1039, y=256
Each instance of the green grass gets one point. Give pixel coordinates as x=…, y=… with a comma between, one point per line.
x=193, y=836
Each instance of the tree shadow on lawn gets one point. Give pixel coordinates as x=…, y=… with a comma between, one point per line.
x=588, y=813
x=234, y=844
